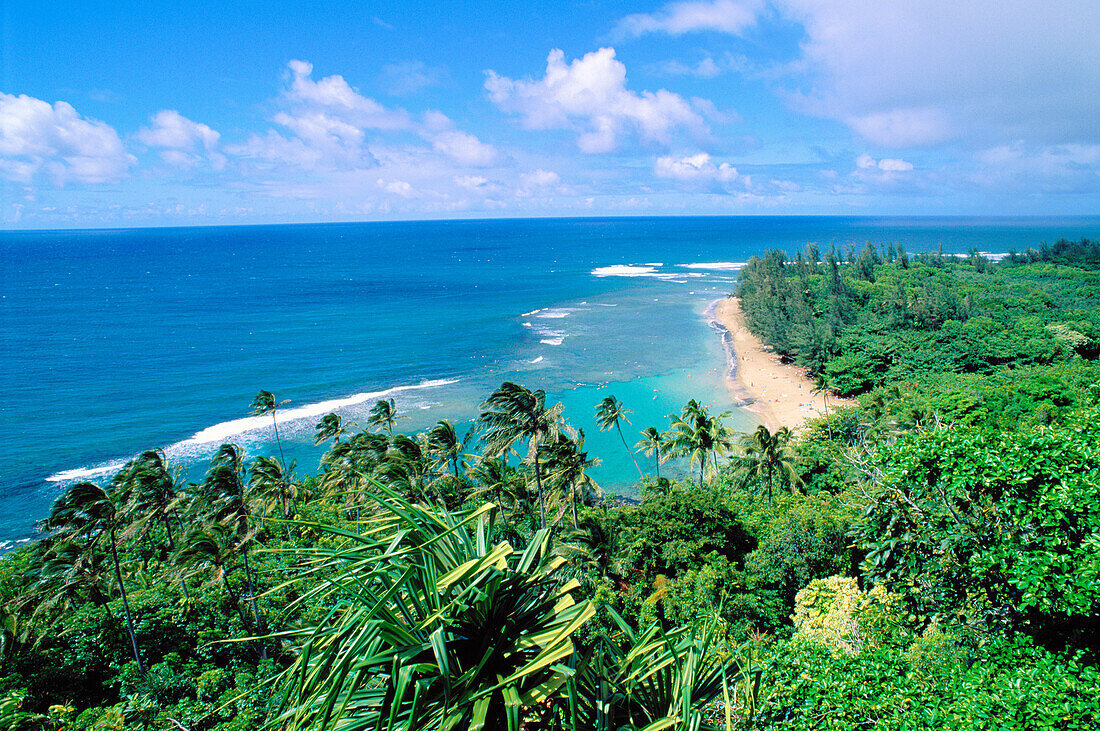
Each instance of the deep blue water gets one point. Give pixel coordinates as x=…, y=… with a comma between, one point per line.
x=116, y=341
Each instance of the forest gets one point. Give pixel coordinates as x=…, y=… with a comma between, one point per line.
x=928, y=558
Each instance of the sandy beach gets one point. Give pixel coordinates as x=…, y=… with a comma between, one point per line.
x=781, y=394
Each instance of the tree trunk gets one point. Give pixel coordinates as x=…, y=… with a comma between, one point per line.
x=538, y=483
x=657, y=461
x=278, y=440
x=573, y=496
x=172, y=548
x=628, y=451
x=126, y=605
x=252, y=600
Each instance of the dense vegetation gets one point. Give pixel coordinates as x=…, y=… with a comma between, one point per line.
x=927, y=559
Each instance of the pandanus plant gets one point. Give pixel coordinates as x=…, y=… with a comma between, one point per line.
x=434, y=622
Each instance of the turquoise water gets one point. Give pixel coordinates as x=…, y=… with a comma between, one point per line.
x=117, y=341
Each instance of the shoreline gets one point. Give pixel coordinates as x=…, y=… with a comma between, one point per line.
x=781, y=394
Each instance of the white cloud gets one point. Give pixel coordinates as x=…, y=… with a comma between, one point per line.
x=473, y=182
x=398, y=187
x=590, y=95
x=54, y=140
x=170, y=129
x=887, y=164
x=907, y=74
x=697, y=167
x=1072, y=168
x=904, y=127
x=462, y=147
x=540, y=178
x=179, y=138
x=707, y=68
x=330, y=127
x=336, y=96
x=725, y=16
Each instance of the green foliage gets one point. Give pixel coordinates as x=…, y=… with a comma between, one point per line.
x=803, y=538
x=436, y=624
x=676, y=532
x=1010, y=685
x=881, y=321
x=999, y=528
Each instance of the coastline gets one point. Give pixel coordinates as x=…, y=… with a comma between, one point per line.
x=781, y=394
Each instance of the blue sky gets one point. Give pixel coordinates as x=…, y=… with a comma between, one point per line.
x=171, y=113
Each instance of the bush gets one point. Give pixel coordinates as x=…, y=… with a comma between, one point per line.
x=836, y=614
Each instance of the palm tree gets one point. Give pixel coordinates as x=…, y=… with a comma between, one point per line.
x=384, y=415
x=652, y=442
x=152, y=496
x=210, y=550
x=225, y=495
x=609, y=415
x=348, y=464
x=270, y=487
x=406, y=466
x=699, y=436
x=264, y=403
x=331, y=426
x=821, y=386
x=85, y=516
x=515, y=414
x=444, y=444
x=569, y=464
x=64, y=575
x=768, y=455
x=495, y=480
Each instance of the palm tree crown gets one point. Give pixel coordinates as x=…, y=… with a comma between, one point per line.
x=652, y=443
x=514, y=414
x=768, y=456
x=700, y=436
x=264, y=403
x=384, y=415
x=609, y=415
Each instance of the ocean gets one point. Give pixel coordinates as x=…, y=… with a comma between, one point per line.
x=116, y=341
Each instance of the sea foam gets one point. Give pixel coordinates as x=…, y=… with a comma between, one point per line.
x=631, y=270
x=221, y=432
x=227, y=430
x=721, y=266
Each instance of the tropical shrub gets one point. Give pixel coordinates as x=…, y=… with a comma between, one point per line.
x=836, y=614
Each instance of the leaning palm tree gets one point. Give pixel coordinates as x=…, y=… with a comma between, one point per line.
x=610, y=414
x=264, y=403
x=87, y=516
x=384, y=415
x=514, y=414
x=652, y=442
x=767, y=456
x=271, y=487
x=225, y=495
x=445, y=446
x=153, y=497
x=569, y=465
x=494, y=481
x=210, y=552
x=331, y=426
